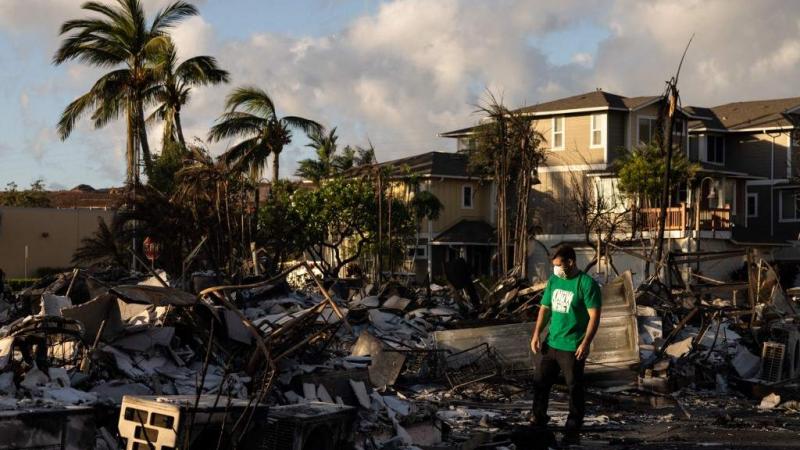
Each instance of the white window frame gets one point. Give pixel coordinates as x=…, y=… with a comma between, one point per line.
x=471, y=197
x=553, y=132
x=417, y=254
x=597, y=123
x=780, y=209
x=706, y=159
x=653, y=120
x=747, y=205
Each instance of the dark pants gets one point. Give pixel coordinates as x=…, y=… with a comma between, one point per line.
x=548, y=362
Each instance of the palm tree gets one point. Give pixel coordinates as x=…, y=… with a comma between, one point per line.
x=175, y=83
x=326, y=162
x=251, y=115
x=104, y=246
x=117, y=36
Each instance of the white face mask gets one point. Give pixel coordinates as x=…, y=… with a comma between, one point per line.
x=560, y=272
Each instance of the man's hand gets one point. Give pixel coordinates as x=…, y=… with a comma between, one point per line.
x=582, y=352
x=536, y=343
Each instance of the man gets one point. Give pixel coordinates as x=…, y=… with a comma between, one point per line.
x=571, y=303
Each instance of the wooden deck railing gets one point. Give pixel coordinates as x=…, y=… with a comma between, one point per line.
x=681, y=218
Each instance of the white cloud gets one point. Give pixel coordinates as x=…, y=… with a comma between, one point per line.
x=24, y=100
x=583, y=59
x=413, y=68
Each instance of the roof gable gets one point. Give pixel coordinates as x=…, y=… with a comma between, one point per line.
x=750, y=114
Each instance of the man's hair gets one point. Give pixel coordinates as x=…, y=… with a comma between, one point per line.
x=564, y=252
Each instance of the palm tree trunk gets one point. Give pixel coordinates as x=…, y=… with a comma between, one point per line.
x=179, y=128
x=256, y=201
x=275, y=166
x=130, y=151
x=148, y=166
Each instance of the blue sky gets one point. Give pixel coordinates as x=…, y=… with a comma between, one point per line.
x=396, y=72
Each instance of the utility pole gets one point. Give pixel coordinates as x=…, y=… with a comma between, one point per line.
x=379, y=258
x=672, y=97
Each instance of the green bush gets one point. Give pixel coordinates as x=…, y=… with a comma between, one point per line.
x=18, y=284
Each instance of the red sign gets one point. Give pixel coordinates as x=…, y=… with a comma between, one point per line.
x=152, y=249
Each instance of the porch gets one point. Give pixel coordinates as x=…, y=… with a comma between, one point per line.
x=681, y=218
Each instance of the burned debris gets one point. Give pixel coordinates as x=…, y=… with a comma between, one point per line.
x=297, y=361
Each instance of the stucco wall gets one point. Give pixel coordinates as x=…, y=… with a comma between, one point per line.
x=51, y=235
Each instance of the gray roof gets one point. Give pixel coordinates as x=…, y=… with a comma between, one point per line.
x=471, y=231
x=432, y=163
x=752, y=114
x=442, y=164
x=595, y=99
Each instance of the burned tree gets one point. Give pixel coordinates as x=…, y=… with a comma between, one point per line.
x=603, y=214
x=509, y=150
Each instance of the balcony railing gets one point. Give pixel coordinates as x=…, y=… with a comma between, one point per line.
x=682, y=218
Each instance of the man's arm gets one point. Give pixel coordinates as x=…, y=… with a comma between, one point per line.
x=541, y=321
x=591, y=330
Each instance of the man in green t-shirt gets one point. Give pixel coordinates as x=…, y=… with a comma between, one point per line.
x=571, y=303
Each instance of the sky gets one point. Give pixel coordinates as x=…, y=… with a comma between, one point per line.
x=393, y=73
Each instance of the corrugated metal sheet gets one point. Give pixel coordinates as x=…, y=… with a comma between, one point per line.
x=614, y=349
x=511, y=342
x=617, y=340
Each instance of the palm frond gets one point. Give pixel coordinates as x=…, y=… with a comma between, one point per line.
x=308, y=126
x=73, y=112
x=237, y=155
x=201, y=70
x=251, y=99
x=171, y=15
x=235, y=124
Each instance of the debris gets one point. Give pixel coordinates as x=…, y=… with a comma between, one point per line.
x=770, y=401
x=746, y=364
x=361, y=393
x=772, y=357
x=680, y=348
x=179, y=421
x=385, y=365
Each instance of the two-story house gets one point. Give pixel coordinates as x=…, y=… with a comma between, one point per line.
x=465, y=226
x=758, y=138
x=745, y=151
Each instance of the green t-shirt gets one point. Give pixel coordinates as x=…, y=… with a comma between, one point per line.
x=569, y=301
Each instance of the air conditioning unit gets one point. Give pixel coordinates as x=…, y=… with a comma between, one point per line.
x=772, y=355
x=307, y=426
x=788, y=335
x=166, y=422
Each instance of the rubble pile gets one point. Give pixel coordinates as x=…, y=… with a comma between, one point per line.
x=387, y=366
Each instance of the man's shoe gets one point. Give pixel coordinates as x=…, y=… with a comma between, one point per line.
x=571, y=437
x=540, y=422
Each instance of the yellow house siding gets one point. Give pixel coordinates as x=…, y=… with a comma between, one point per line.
x=449, y=192
x=554, y=207
x=576, y=141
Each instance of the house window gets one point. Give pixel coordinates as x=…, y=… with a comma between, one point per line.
x=647, y=130
x=598, y=121
x=752, y=205
x=694, y=148
x=677, y=130
x=466, y=196
x=790, y=206
x=418, y=251
x=715, y=149
x=557, y=137
x=466, y=144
